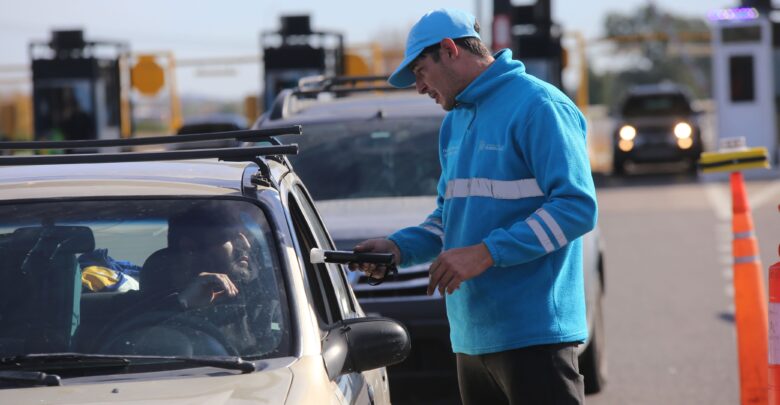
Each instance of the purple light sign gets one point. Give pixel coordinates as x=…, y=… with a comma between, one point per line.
x=733, y=14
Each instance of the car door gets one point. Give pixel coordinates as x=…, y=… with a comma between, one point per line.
x=328, y=285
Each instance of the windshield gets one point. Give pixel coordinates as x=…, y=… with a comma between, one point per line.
x=656, y=105
x=376, y=158
x=165, y=277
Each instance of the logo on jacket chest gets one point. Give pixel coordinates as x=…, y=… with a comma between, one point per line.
x=483, y=146
x=490, y=147
x=451, y=150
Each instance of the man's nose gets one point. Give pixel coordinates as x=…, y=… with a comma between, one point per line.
x=242, y=241
x=420, y=86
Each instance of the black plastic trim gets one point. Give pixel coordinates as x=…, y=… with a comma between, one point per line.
x=246, y=135
x=228, y=154
x=347, y=89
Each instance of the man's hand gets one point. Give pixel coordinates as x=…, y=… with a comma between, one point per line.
x=205, y=288
x=456, y=266
x=378, y=245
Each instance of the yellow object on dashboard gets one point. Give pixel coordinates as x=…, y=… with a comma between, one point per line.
x=96, y=278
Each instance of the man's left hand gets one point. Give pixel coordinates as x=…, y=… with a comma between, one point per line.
x=205, y=288
x=455, y=266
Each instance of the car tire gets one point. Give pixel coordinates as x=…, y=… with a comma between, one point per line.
x=593, y=362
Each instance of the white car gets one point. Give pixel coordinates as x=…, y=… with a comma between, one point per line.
x=93, y=302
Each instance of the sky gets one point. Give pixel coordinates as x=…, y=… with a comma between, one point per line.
x=229, y=28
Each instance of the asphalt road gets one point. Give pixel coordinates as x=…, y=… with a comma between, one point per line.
x=669, y=304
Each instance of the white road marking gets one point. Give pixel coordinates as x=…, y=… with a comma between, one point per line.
x=764, y=195
x=728, y=273
x=719, y=197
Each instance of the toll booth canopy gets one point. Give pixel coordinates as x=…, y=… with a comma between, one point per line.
x=76, y=87
x=296, y=51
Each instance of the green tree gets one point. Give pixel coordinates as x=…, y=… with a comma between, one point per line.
x=650, y=34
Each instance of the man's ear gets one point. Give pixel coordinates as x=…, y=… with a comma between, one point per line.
x=450, y=49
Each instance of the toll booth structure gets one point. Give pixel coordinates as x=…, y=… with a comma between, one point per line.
x=296, y=51
x=746, y=80
x=529, y=31
x=78, y=87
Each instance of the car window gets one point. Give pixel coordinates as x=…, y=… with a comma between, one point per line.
x=656, y=105
x=384, y=157
x=109, y=276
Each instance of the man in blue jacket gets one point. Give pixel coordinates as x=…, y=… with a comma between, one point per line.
x=514, y=198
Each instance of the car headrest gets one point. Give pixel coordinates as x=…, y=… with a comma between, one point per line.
x=48, y=240
x=156, y=272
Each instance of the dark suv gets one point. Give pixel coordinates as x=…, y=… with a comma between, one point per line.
x=179, y=276
x=370, y=160
x=656, y=123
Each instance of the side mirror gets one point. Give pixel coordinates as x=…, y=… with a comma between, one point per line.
x=360, y=344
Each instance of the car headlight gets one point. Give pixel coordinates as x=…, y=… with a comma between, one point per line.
x=627, y=133
x=683, y=130
x=685, y=143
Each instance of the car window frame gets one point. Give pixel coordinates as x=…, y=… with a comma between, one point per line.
x=337, y=273
x=354, y=384
x=334, y=300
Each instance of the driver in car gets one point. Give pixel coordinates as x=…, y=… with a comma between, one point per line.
x=207, y=279
x=215, y=265
x=213, y=256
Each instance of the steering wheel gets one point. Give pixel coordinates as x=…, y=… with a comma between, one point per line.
x=166, y=332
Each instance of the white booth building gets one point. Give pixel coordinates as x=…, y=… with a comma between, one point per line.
x=744, y=83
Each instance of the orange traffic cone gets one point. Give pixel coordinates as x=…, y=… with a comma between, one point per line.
x=774, y=333
x=750, y=303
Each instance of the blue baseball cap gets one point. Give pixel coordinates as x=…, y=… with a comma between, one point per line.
x=431, y=29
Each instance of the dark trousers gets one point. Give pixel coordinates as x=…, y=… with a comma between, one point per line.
x=538, y=375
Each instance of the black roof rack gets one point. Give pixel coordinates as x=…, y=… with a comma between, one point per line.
x=246, y=135
x=227, y=154
x=313, y=85
x=310, y=87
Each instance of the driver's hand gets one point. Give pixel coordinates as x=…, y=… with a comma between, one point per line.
x=379, y=245
x=206, y=288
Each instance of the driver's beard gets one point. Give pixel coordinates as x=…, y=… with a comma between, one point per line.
x=240, y=273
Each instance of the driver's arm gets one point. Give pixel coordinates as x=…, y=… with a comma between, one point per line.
x=205, y=288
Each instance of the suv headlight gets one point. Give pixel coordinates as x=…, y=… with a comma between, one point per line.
x=683, y=130
x=627, y=133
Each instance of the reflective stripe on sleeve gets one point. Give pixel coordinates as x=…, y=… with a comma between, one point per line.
x=553, y=225
x=500, y=189
x=541, y=234
x=434, y=230
x=433, y=225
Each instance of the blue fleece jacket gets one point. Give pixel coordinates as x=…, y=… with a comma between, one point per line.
x=516, y=177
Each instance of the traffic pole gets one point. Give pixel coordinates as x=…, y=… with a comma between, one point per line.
x=750, y=302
